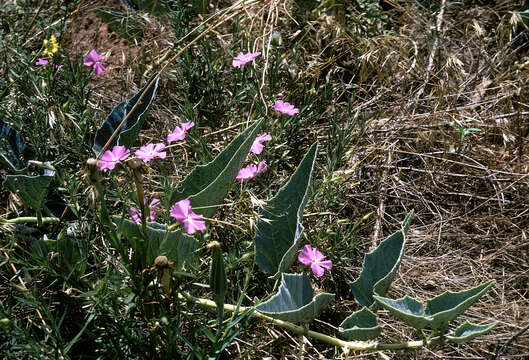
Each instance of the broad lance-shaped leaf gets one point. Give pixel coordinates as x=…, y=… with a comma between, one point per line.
x=295, y=300
x=380, y=266
x=14, y=152
x=279, y=228
x=469, y=331
x=361, y=325
x=438, y=312
x=129, y=132
x=31, y=189
x=177, y=246
x=207, y=185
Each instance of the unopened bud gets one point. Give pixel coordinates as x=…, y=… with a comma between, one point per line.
x=161, y=261
x=134, y=163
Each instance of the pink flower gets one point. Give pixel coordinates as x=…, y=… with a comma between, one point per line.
x=151, y=151
x=285, y=108
x=111, y=158
x=242, y=59
x=257, y=146
x=315, y=259
x=41, y=62
x=135, y=215
x=261, y=167
x=180, y=132
x=94, y=60
x=182, y=211
x=250, y=171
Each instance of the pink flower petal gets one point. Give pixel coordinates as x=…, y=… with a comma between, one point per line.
x=151, y=151
x=305, y=257
x=181, y=209
x=135, y=215
x=187, y=125
x=192, y=224
x=261, y=167
x=41, y=62
x=180, y=132
x=285, y=107
x=111, y=158
x=318, y=256
x=257, y=146
x=242, y=58
x=317, y=270
x=246, y=173
x=326, y=264
x=93, y=59
x=313, y=257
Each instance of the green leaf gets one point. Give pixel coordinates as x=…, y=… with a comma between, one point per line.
x=129, y=132
x=73, y=253
x=175, y=245
x=469, y=331
x=31, y=189
x=207, y=185
x=295, y=300
x=279, y=225
x=218, y=282
x=14, y=152
x=126, y=26
x=438, y=312
x=380, y=266
x=361, y=325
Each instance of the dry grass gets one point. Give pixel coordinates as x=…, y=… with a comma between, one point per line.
x=467, y=64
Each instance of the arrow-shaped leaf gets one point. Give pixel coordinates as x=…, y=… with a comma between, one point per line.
x=295, y=300
x=129, y=132
x=380, y=266
x=469, y=331
x=361, y=325
x=438, y=312
x=207, y=185
x=279, y=226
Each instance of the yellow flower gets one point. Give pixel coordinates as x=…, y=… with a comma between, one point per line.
x=51, y=46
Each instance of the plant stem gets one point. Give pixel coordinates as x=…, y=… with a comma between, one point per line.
x=300, y=330
x=30, y=219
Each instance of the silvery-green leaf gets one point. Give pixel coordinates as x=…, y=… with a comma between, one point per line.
x=207, y=185
x=129, y=132
x=175, y=245
x=469, y=331
x=380, y=266
x=295, y=300
x=438, y=312
x=13, y=149
x=361, y=325
x=279, y=225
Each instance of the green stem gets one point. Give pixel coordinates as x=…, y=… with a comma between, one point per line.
x=300, y=330
x=30, y=219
